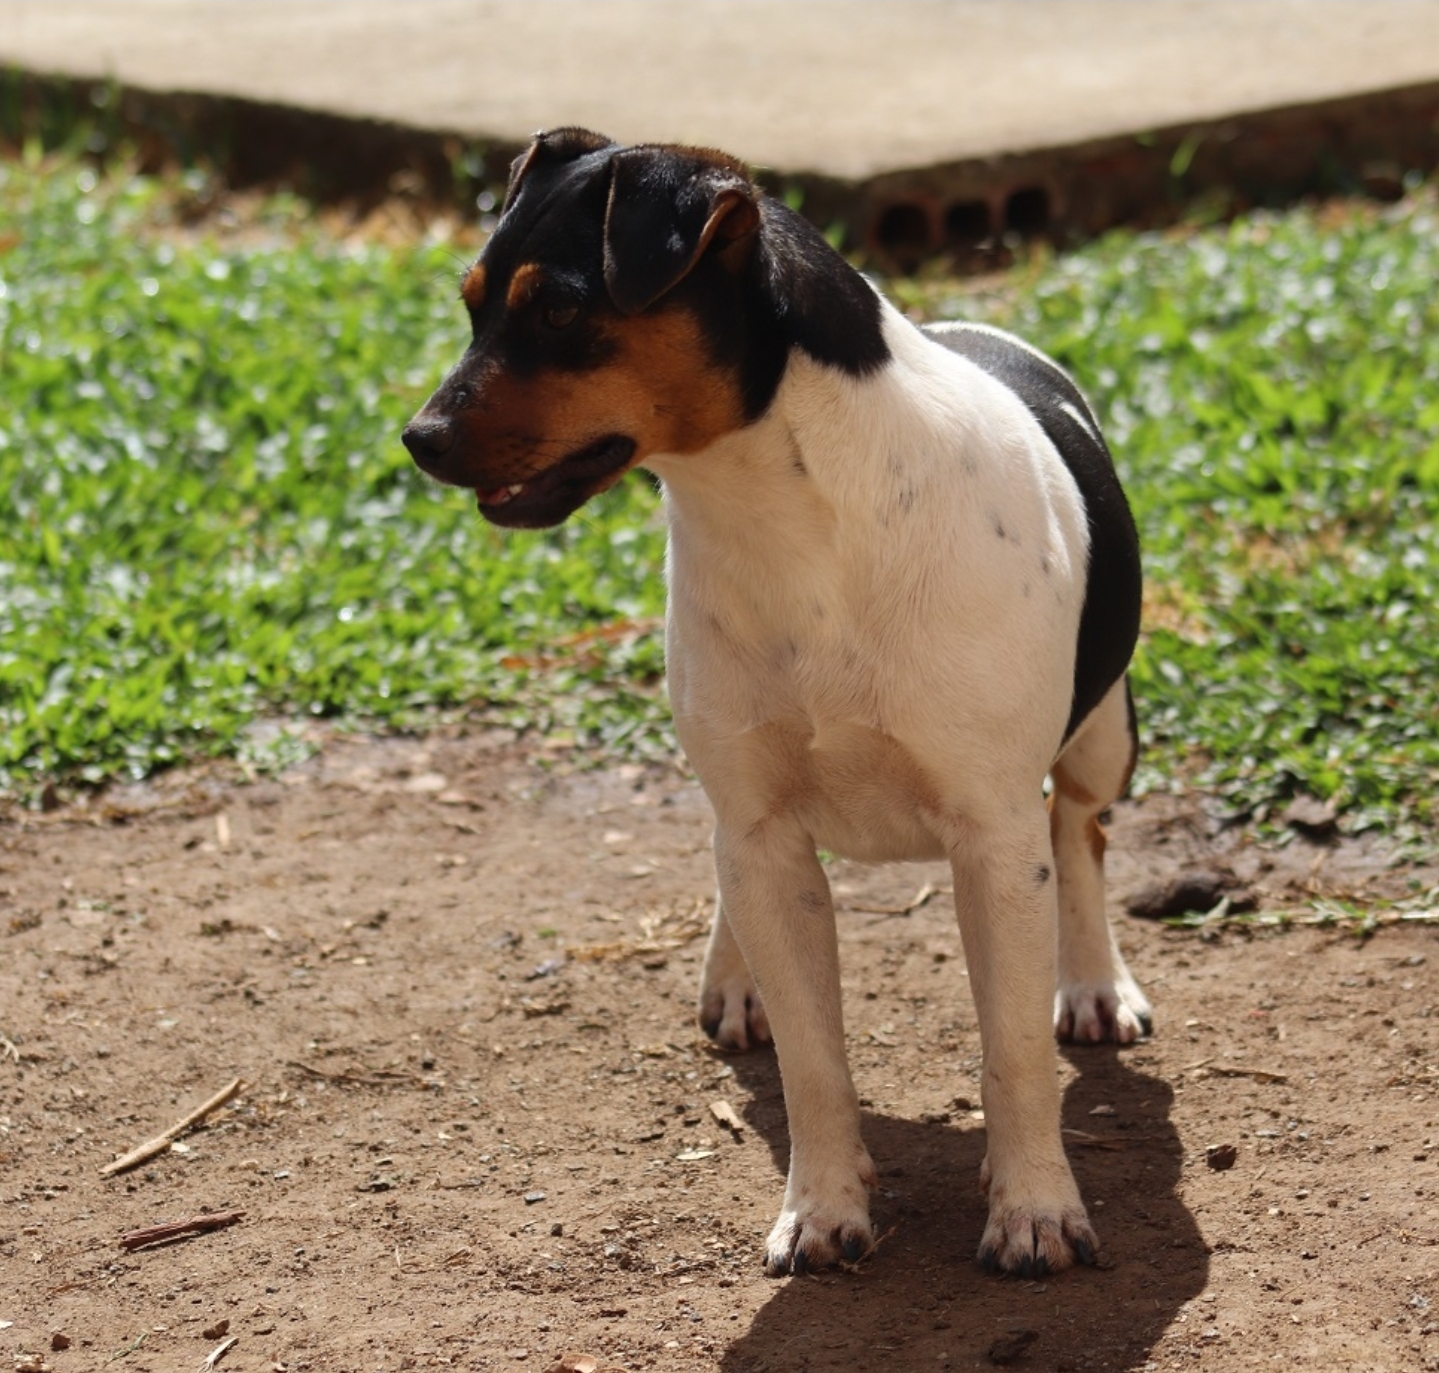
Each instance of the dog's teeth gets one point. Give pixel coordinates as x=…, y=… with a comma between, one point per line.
x=514, y=490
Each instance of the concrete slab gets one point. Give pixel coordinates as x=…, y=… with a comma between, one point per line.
x=848, y=89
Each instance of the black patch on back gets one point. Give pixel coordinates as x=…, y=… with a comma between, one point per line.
x=1109, y=622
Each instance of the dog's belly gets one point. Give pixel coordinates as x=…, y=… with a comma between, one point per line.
x=859, y=792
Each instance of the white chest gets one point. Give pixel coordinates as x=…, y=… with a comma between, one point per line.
x=871, y=588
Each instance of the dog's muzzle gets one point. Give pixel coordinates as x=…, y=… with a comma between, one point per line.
x=430, y=439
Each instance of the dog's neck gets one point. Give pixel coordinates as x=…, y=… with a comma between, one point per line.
x=770, y=494
x=796, y=294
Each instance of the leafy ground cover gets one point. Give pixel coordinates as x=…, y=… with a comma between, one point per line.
x=214, y=534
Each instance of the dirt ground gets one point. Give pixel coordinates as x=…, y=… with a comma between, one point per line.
x=476, y=1128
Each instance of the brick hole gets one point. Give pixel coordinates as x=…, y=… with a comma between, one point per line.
x=1026, y=212
x=903, y=229
x=967, y=223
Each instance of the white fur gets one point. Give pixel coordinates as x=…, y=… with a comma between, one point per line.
x=875, y=594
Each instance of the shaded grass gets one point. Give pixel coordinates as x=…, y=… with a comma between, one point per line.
x=212, y=522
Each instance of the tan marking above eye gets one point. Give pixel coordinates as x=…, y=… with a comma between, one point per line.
x=523, y=285
x=472, y=288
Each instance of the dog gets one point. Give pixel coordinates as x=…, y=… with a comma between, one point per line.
x=904, y=588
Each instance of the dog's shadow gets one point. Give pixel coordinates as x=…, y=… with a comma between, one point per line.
x=922, y=1302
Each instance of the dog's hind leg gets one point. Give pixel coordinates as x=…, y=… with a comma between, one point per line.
x=730, y=1010
x=777, y=902
x=1005, y=898
x=1097, y=1000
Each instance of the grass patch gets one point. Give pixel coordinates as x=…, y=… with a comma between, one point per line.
x=212, y=521
x=213, y=524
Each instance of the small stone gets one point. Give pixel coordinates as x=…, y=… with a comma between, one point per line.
x=1199, y=891
x=1314, y=819
x=532, y=1197
x=59, y=1340
x=1221, y=1157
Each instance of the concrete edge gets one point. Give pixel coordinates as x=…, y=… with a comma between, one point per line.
x=975, y=210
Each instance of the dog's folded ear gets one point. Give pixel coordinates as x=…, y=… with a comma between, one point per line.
x=667, y=208
x=558, y=145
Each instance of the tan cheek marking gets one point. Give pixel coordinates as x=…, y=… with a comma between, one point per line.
x=523, y=285
x=661, y=391
x=674, y=399
x=513, y=426
x=472, y=288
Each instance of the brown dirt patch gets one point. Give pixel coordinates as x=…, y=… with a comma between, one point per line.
x=477, y=1128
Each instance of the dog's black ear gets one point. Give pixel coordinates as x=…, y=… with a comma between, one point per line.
x=556, y=146
x=667, y=207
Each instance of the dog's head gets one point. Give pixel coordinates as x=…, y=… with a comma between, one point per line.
x=606, y=326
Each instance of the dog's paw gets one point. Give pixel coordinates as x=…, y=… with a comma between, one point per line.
x=1031, y=1236
x=731, y=1012
x=1106, y=1013
x=819, y=1231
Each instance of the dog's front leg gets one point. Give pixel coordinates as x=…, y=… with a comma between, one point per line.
x=777, y=902
x=1005, y=896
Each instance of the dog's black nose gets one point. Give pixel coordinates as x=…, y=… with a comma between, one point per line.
x=428, y=439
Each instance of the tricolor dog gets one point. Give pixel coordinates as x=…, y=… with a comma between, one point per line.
x=903, y=590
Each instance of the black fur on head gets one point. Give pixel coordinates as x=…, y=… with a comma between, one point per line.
x=631, y=302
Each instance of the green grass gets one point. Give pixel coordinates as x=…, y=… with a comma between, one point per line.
x=212, y=523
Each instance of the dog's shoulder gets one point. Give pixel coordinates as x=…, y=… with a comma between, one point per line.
x=1047, y=390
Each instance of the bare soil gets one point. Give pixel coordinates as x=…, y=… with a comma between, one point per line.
x=476, y=1129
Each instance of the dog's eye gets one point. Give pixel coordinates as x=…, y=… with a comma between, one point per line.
x=561, y=316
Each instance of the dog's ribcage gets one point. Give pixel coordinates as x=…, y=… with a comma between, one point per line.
x=875, y=594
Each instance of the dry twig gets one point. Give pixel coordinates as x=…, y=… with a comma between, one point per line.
x=160, y=1143
x=921, y=898
x=1238, y=1070
x=1082, y=1139
x=1235, y=1070
x=723, y=1112
x=218, y=1353
x=385, y=1077
x=174, y=1229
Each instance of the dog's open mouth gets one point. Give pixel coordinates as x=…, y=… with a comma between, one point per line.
x=551, y=495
